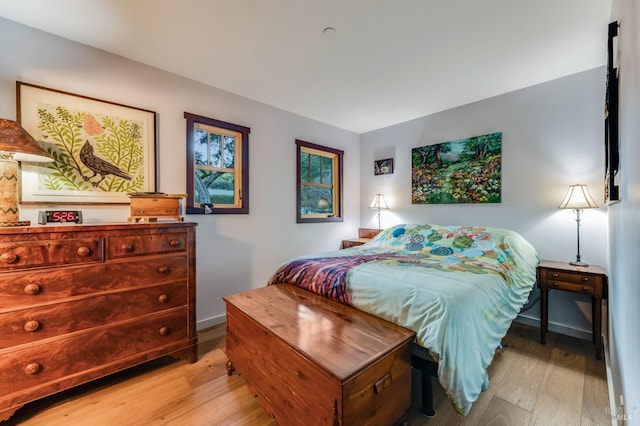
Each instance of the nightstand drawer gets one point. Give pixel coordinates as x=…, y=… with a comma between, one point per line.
x=570, y=277
x=351, y=243
x=586, y=288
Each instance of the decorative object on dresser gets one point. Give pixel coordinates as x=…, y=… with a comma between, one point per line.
x=590, y=280
x=311, y=360
x=15, y=145
x=151, y=206
x=83, y=301
x=578, y=198
x=364, y=236
x=378, y=203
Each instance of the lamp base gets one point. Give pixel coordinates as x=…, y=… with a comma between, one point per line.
x=16, y=223
x=578, y=263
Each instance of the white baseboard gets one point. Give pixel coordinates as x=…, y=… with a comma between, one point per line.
x=210, y=322
x=556, y=328
x=612, y=398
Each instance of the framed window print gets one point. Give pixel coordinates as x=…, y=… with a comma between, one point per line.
x=319, y=179
x=217, y=166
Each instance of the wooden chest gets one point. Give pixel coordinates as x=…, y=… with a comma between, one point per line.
x=78, y=302
x=311, y=360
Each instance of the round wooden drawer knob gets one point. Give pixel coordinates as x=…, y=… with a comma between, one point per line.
x=128, y=248
x=174, y=243
x=164, y=331
x=586, y=289
x=31, y=326
x=31, y=288
x=83, y=251
x=163, y=298
x=163, y=269
x=31, y=368
x=8, y=257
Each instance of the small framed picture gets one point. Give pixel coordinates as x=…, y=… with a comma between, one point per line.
x=383, y=167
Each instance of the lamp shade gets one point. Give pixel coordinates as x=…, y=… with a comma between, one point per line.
x=577, y=198
x=15, y=145
x=19, y=145
x=378, y=202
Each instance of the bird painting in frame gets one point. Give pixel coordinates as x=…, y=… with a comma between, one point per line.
x=98, y=166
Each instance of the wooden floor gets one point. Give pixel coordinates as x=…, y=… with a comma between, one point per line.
x=560, y=383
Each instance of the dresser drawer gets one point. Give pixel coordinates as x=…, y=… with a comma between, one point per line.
x=56, y=359
x=139, y=245
x=570, y=281
x=30, y=325
x=42, y=287
x=43, y=253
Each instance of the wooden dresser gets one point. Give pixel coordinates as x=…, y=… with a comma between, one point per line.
x=78, y=302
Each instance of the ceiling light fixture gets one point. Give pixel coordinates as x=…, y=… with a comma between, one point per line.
x=328, y=32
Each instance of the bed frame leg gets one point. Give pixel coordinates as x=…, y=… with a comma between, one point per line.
x=428, y=369
x=427, y=396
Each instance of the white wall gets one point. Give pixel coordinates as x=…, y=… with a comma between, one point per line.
x=552, y=136
x=234, y=252
x=624, y=226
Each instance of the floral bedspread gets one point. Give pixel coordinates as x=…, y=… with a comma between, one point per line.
x=458, y=287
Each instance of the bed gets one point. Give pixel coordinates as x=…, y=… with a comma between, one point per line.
x=458, y=287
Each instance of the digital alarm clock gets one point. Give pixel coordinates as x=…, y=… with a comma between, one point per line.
x=59, y=216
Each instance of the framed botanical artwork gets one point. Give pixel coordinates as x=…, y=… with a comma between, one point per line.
x=462, y=171
x=101, y=150
x=383, y=167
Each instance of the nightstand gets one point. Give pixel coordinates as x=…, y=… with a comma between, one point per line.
x=591, y=280
x=364, y=236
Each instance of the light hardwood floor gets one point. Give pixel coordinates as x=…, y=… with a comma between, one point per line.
x=560, y=383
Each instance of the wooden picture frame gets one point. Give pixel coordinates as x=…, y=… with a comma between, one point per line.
x=611, y=122
x=462, y=171
x=383, y=167
x=102, y=150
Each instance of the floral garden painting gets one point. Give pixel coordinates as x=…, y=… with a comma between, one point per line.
x=457, y=172
x=99, y=154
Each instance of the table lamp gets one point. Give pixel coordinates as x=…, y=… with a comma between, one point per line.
x=378, y=203
x=578, y=198
x=15, y=145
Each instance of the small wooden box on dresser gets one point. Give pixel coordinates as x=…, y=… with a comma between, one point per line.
x=78, y=302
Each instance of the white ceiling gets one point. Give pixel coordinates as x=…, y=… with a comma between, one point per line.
x=388, y=61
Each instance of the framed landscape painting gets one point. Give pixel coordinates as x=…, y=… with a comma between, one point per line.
x=101, y=150
x=461, y=171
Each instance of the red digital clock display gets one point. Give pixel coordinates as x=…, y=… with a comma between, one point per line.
x=63, y=216
x=60, y=216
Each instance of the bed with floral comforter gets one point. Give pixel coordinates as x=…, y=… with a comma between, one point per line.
x=458, y=287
